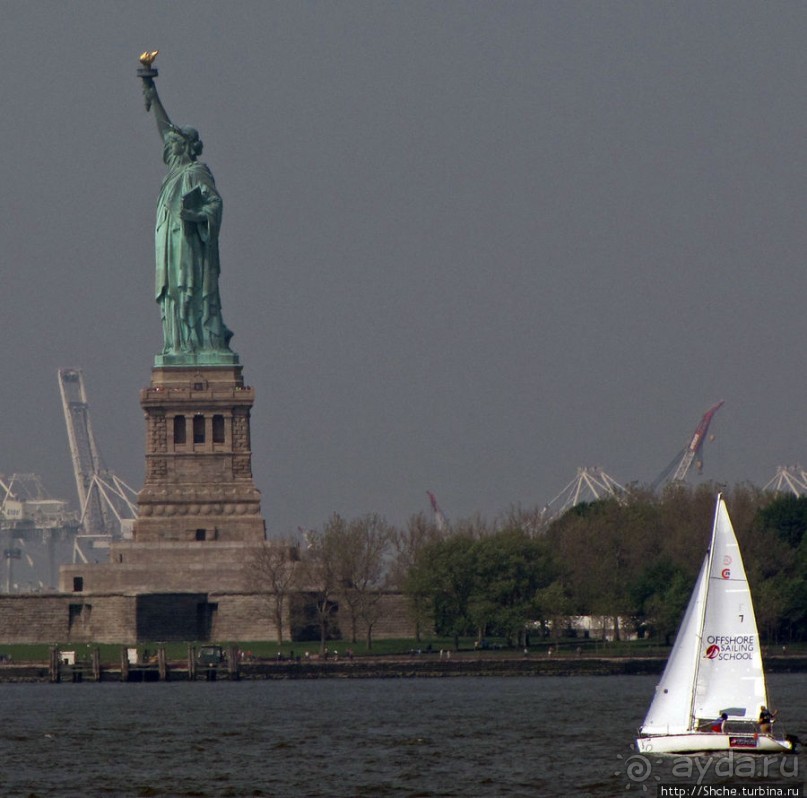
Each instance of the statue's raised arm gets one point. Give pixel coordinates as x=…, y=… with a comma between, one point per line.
x=148, y=72
x=154, y=103
x=186, y=244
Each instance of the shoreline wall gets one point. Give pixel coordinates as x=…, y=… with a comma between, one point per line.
x=417, y=667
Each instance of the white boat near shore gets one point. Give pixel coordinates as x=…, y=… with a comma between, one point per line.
x=713, y=687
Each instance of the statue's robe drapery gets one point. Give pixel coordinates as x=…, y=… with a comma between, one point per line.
x=188, y=266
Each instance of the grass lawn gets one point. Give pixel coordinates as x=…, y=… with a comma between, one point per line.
x=111, y=653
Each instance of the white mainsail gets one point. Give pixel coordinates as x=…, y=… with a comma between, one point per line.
x=715, y=665
x=729, y=676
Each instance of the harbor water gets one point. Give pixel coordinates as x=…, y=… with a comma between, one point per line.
x=515, y=736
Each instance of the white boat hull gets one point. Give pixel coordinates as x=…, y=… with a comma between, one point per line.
x=697, y=742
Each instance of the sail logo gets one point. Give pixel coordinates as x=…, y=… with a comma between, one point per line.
x=730, y=647
x=726, y=573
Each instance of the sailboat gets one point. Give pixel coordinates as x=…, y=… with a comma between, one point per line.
x=715, y=667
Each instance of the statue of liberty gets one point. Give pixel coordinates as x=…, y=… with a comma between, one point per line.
x=186, y=245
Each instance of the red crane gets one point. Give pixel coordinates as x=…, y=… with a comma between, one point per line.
x=696, y=444
x=682, y=461
x=439, y=518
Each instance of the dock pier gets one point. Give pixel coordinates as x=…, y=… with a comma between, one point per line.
x=64, y=667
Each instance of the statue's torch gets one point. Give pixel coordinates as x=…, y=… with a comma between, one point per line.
x=147, y=72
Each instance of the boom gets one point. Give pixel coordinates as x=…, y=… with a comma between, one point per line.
x=696, y=444
x=106, y=501
x=83, y=450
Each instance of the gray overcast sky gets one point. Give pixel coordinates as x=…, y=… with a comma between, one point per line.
x=467, y=247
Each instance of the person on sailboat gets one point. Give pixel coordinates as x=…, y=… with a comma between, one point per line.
x=718, y=725
x=766, y=720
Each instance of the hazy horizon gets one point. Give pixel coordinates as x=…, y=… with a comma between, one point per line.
x=466, y=248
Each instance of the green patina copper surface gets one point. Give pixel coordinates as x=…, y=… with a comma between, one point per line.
x=187, y=248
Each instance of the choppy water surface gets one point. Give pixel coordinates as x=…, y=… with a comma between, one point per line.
x=530, y=736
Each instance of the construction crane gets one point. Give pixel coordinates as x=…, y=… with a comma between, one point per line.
x=36, y=534
x=788, y=479
x=439, y=519
x=107, y=503
x=682, y=462
x=10, y=508
x=590, y=484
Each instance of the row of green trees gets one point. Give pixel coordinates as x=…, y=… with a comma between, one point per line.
x=634, y=557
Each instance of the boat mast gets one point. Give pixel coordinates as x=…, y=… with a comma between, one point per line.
x=703, y=612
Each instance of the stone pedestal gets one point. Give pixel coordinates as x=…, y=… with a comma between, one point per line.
x=199, y=513
x=199, y=484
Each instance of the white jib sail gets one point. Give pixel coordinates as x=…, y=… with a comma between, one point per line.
x=729, y=674
x=670, y=710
